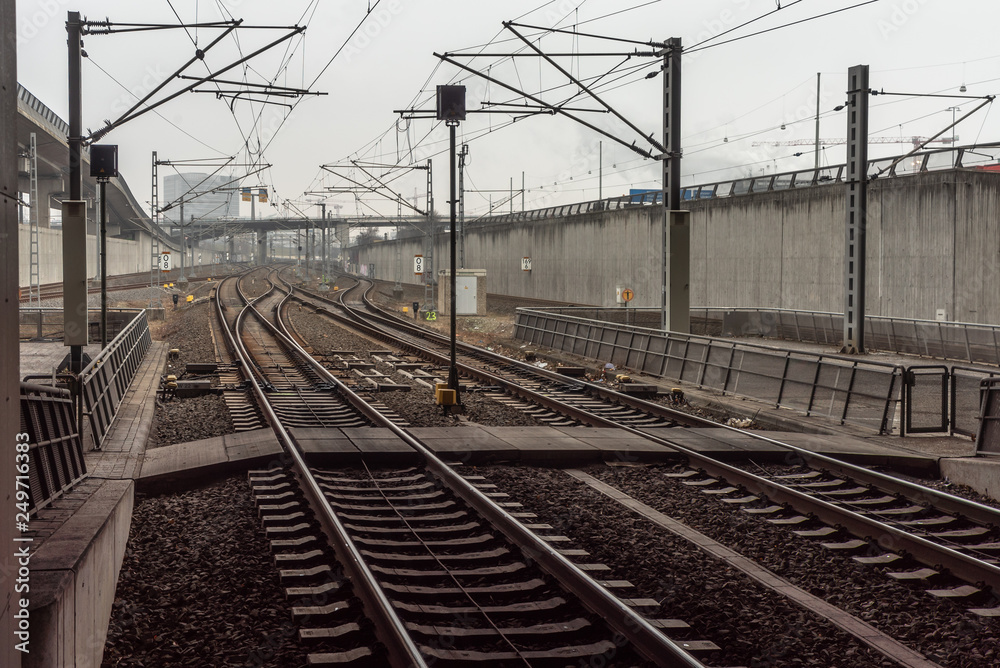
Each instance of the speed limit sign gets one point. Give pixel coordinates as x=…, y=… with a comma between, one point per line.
x=418, y=264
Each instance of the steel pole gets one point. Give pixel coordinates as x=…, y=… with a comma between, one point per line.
x=671, y=163
x=817, y=121
x=461, y=203
x=75, y=139
x=103, y=183
x=856, y=181
x=453, y=201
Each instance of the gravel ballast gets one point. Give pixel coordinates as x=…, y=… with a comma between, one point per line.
x=179, y=420
x=752, y=625
x=944, y=632
x=197, y=586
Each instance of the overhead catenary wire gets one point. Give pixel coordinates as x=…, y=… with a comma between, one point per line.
x=421, y=146
x=786, y=25
x=91, y=60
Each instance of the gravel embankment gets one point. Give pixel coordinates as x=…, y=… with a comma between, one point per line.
x=197, y=586
x=944, y=632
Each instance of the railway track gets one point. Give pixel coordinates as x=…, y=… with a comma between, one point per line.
x=563, y=400
x=137, y=281
x=429, y=569
x=234, y=379
x=945, y=543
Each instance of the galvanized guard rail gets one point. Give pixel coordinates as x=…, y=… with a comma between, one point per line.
x=844, y=389
x=43, y=324
x=970, y=342
x=966, y=399
x=926, y=388
x=55, y=455
x=988, y=436
x=106, y=379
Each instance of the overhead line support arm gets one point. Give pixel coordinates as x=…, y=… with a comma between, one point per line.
x=199, y=55
x=128, y=116
x=632, y=146
x=374, y=190
x=648, y=137
x=988, y=100
x=658, y=45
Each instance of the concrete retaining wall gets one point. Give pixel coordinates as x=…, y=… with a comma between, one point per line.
x=933, y=243
x=124, y=257
x=74, y=574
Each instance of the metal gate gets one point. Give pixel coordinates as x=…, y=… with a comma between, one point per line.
x=926, y=399
x=988, y=438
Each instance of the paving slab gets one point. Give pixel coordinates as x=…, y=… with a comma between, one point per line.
x=706, y=441
x=326, y=447
x=859, y=451
x=195, y=461
x=124, y=445
x=380, y=445
x=467, y=444
x=731, y=446
x=183, y=457
x=620, y=445
x=545, y=444
x=255, y=445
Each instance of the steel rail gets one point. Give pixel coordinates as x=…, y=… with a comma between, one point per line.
x=963, y=566
x=514, y=388
x=972, y=510
x=657, y=410
x=644, y=637
x=402, y=651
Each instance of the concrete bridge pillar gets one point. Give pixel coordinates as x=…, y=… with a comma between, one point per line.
x=46, y=188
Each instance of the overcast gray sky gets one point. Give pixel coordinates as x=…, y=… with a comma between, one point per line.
x=742, y=91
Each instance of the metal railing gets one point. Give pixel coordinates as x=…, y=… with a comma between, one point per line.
x=988, y=435
x=842, y=388
x=43, y=324
x=55, y=454
x=964, y=157
x=966, y=399
x=975, y=343
x=926, y=401
x=25, y=97
x=106, y=379
x=943, y=399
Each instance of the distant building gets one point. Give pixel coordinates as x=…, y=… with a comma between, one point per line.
x=220, y=204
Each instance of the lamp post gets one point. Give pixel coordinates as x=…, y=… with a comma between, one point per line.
x=451, y=110
x=954, y=137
